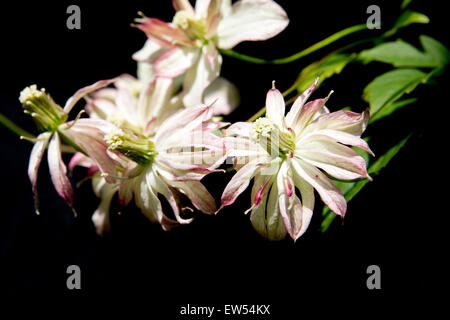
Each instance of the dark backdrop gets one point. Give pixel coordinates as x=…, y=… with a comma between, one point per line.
x=395, y=222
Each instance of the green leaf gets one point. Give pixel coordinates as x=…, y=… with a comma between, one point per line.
x=435, y=49
x=390, y=108
x=405, y=3
x=350, y=189
x=390, y=86
x=382, y=161
x=400, y=54
x=406, y=18
x=327, y=67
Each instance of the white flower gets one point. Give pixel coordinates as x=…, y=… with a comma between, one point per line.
x=51, y=119
x=284, y=153
x=160, y=154
x=189, y=45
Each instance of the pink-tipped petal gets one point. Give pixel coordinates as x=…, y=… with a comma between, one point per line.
x=58, y=170
x=239, y=183
x=294, y=113
x=85, y=91
x=328, y=191
x=35, y=159
x=275, y=107
x=162, y=32
x=290, y=206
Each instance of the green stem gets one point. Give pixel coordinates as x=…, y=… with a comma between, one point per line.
x=70, y=148
x=14, y=128
x=334, y=37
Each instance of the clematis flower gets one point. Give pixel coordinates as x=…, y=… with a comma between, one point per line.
x=289, y=156
x=189, y=45
x=165, y=157
x=51, y=119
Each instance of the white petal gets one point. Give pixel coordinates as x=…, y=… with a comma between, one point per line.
x=175, y=62
x=224, y=94
x=328, y=191
x=200, y=76
x=84, y=91
x=275, y=107
x=251, y=20
x=35, y=159
x=58, y=170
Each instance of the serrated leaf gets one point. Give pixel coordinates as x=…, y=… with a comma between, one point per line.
x=400, y=54
x=390, y=108
x=327, y=68
x=350, y=189
x=390, y=86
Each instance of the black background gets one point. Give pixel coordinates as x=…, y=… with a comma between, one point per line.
x=396, y=222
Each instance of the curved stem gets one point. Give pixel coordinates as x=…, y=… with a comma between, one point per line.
x=14, y=128
x=334, y=37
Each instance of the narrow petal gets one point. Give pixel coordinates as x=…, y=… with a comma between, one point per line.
x=84, y=91
x=307, y=194
x=276, y=229
x=201, y=8
x=275, y=107
x=294, y=113
x=175, y=62
x=182, y=5
x=197, y=193
x=200, y=76
x=306, y=115
x=239, y=183
x=342, y=120
x=58, y=170
x=100, y=218
x=149, y=203
x=338, y=136
x=251, y=20
x=153, y=100
x=337, y=160
x=35, y=159
x=79, y=159
x=290, y=206
x=161, y=187
x=187, y=119
x=266, y=219
x=331, y=195
x=89, y=135
x=164, y=33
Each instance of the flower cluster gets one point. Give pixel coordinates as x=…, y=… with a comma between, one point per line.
x=157, y=136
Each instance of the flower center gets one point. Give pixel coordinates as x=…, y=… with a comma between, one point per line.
x=45, y=112
x=194, y=28
x=135, y=147
x=271, y=138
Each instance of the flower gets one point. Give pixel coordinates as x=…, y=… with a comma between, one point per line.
x=51, y=119
x=161, y=154
x=189, y=45
x=282, y=153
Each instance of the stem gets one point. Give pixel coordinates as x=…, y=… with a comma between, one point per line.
x=334, y=37
x=70, y=148
x=14, y=128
